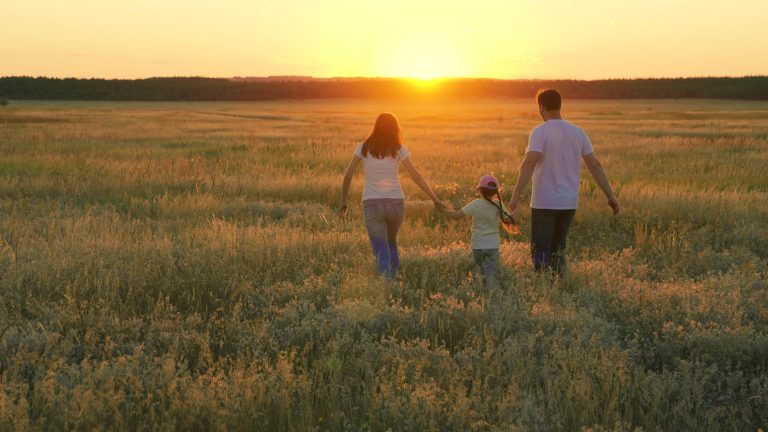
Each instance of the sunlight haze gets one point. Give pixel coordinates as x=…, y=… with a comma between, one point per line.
x=419, y=39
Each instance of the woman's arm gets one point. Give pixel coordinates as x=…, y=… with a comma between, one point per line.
x=345, y=185
x=420, y=182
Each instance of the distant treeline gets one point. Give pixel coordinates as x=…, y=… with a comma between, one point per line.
x=220, y=89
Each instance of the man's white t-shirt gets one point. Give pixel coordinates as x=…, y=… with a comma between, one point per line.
x=556, y=176
x=381, y=174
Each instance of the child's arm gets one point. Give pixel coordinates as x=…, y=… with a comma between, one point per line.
x=454, y=214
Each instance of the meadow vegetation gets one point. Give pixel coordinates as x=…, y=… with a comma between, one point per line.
x=179, y=266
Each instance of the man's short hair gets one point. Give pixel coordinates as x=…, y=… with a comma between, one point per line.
x=549, y=98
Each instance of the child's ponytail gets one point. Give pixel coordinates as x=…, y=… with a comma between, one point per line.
x=507, y=221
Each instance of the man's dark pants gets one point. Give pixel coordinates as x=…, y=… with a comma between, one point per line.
x=549, y=229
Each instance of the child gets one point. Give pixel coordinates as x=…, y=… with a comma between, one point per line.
x=485, y=215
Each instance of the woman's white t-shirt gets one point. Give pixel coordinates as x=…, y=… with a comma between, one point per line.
x=381, y=174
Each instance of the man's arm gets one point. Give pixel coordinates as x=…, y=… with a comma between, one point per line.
x=598, y=173
x=526, y=172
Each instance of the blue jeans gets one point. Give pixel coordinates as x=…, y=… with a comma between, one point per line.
x=549, y=229
x=487, y=260
x=383, y=218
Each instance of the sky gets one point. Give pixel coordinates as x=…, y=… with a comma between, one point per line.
x=511, y=39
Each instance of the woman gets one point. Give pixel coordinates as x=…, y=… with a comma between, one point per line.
x=383, y=199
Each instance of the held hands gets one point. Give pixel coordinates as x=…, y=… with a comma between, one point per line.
x=513, y=217
x=440, y=206
x=516, y=213
x=514, y=207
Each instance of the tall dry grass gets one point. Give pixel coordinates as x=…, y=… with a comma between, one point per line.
x=169, y=266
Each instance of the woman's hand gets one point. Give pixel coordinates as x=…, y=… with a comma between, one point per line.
x=440, y=206
x=614, y=203
x=345, y=185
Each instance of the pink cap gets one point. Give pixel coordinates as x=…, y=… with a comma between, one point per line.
x=488, y=182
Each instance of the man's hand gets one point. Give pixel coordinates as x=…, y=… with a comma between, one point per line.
x=512, y=205
x=515, y=213
x=342, y=211
x=596, y=169
x=614, y=203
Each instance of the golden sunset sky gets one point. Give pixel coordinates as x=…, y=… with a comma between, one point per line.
x=589, y=39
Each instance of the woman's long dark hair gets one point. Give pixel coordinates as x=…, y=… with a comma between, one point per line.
x=386, y=139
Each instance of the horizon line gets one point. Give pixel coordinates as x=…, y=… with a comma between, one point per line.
x=299, y=78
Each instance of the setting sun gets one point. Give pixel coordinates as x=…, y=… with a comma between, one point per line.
x=424, y=59
x=425, y=84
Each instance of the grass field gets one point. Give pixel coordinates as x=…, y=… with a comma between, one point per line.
x=179, y=266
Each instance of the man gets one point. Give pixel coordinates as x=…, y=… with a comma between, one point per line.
x=552, y=160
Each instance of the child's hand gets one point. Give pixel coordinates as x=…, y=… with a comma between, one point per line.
x=454, y=214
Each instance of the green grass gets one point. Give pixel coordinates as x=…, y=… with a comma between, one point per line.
x=176, y=266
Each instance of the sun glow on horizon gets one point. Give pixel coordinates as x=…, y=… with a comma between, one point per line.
x=425, y=60
x=425, y=84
